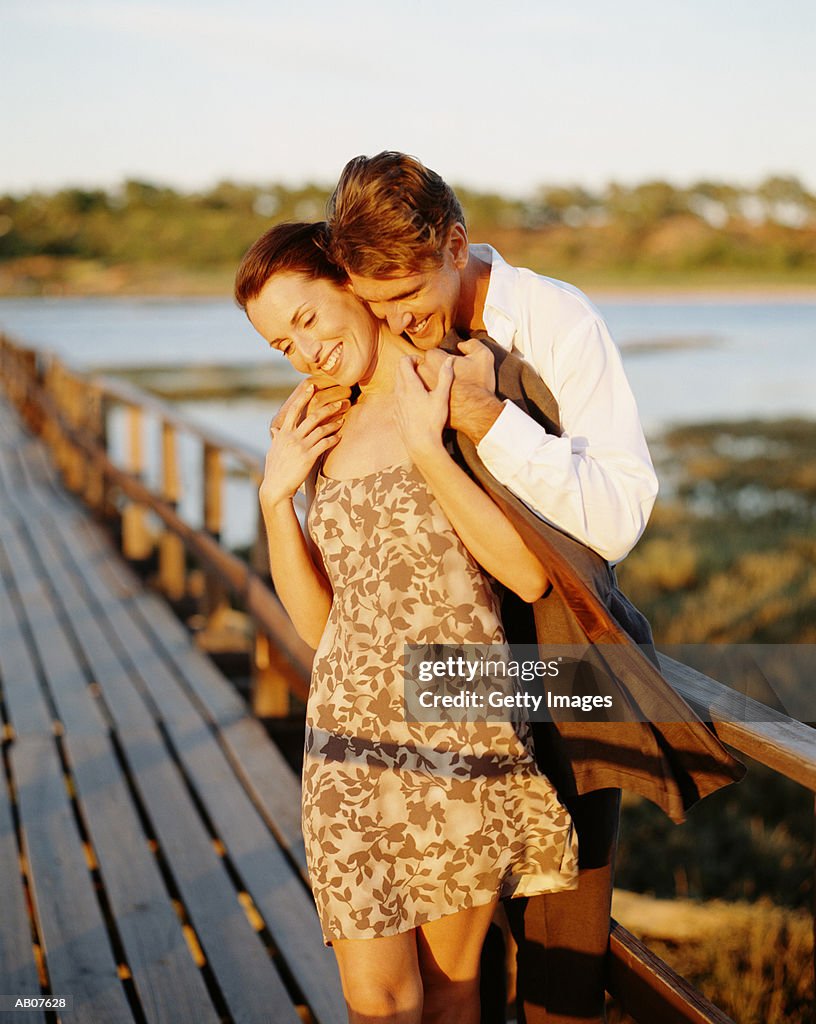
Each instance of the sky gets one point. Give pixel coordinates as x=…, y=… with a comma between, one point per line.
x=495, y=97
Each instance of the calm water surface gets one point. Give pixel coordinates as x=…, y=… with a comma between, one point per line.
x=687, y=361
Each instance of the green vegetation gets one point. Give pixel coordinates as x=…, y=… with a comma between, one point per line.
x=147, y=238
x=754, y=962
x=729, y=557
x=729, y=553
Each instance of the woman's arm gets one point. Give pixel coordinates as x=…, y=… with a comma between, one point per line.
x=299, y=582
x=482, y=526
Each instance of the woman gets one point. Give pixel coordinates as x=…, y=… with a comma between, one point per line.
x=412, y=831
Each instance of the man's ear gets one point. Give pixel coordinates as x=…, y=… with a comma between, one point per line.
x=458, y=245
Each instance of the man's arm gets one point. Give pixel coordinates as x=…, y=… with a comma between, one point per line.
x=595, y=482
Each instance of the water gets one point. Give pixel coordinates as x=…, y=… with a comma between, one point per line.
x=705, y=359
x=687, y=361
x=756, y=359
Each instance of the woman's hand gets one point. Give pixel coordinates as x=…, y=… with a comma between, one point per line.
x=422, y=413
x=323, y=394
x=296, y=446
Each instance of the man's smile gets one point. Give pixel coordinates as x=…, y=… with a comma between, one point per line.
x=417, y=330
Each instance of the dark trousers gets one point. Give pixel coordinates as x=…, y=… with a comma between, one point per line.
x=563, y=937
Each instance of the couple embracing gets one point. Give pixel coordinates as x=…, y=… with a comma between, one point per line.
x=475, y=466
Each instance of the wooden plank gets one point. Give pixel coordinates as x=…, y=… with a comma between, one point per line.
x=78, y=712
x=274, y=787
x=18, y=970
x=781, y=743
x=20, y=689
x=649, y=990
x=250, y=984
x=25, y=703
x=169, y=985
x=76, y=942
x=248, y=979
x=274, y=885
x=275, y=888
x=165, y=976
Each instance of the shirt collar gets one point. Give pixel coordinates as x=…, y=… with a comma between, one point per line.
x=497, y=314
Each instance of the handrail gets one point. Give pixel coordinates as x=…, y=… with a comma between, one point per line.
x=129, y=394
x=70, y=411
x=764, y=734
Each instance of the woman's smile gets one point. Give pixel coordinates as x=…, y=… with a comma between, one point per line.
x=330, y=364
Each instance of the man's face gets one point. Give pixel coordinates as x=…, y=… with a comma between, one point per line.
x=421, y=305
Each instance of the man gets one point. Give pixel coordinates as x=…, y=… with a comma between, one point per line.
x=399, y=232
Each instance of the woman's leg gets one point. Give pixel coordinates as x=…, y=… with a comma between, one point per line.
x=449, y=952
x=380, y=978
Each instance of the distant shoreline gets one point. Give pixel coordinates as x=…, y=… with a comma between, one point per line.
x=720, y=292
x=764, y=292
x=51, y=277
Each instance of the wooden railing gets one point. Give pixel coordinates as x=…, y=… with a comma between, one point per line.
x=72, y=413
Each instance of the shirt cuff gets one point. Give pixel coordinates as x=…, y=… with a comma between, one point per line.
x=509, y=444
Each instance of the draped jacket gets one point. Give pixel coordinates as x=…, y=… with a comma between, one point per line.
x=663, y=752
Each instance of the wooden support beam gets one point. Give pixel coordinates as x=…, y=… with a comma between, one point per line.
x=172, y=567
x=137, y=543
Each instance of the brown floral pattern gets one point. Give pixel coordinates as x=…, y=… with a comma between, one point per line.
x=407, y=822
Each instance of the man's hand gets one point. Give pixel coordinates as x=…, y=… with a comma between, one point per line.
x=473, y=403
x=322, y=395
x=474, y=366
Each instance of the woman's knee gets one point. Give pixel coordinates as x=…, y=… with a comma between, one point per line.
x=372, y=997
x=381, y=980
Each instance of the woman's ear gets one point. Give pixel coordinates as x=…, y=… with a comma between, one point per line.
x=458, y=245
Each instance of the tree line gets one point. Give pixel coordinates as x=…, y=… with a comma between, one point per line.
x=650, y=228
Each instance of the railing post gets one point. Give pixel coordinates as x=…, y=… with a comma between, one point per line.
x=75, y=474
x=93, y=425
x=48, y=427
x=137, y=543
x=215, y=595
x=269, y=691
x=172, y=574
x=55, y=435
x=269, y=696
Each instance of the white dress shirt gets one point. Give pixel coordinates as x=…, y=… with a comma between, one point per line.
x=596, y=482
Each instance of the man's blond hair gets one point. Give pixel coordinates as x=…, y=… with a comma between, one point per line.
x=389, y=216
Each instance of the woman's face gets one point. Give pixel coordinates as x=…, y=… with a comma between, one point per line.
x=318, y=325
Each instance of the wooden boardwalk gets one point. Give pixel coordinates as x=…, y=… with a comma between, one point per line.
x=151, y=862
x=151, y=865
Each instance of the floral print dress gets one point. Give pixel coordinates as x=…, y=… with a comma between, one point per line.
x=406, y=822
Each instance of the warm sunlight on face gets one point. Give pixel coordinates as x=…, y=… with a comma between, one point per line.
x=318, y=325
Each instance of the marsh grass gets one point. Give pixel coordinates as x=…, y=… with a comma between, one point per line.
x=753, y=961
x=729, y=556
